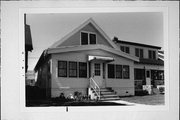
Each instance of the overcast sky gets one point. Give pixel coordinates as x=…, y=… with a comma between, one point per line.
x=146, y=28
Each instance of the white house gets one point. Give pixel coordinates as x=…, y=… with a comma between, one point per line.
x=88, y=61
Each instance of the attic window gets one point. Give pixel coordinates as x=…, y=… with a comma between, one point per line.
x=88, y=38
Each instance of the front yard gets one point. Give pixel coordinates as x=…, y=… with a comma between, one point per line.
x=157, y=99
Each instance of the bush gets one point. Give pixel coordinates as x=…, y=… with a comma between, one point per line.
x=141, y=93
x=161, y=89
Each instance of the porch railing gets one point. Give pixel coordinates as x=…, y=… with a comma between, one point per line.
x=95, y=87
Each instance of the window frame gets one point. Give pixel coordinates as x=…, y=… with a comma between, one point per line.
x=125, y=49
x=120, y=71
x=114, y=71
x=76, y=69
x=79, y=70
x=62, y=68
x=138, y=52
x=97, y=69
x=109, y=75
x=88, y=42
x=152, y=54
x=128, y=77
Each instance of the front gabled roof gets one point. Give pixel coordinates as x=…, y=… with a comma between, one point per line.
x=91, y=47
x=90, y=20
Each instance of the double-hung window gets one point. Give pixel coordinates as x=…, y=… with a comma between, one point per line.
x=88, y=38
x=72, y=69
x=125, y=49
x=82, y=70
x=62, y=68
x=119, y=71
x=152, y=54
x=139, y=52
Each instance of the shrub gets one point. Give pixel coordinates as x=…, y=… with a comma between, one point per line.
x=161, y=89
x=141, y=93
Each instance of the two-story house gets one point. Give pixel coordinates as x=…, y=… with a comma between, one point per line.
x=88, y=61
x=150, y=68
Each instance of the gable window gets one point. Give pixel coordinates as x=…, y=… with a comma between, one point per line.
x=72, y=69
x=139, y=52
x=62, y=68
x=92, y=38
x=152, y=54
x=82, y=70
x=125, y=49
x=84, y=38
x=88, y=38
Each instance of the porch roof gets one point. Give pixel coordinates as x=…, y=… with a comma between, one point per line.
x=100, y=58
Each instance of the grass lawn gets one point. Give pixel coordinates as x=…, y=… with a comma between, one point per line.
x=157, y=99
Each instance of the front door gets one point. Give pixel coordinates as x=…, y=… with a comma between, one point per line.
x=97, y=73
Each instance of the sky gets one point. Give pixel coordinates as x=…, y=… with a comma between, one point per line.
x=140, y=27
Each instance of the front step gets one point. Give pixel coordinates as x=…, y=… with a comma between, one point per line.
x=107, y=94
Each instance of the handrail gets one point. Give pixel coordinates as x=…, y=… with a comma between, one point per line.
x=95, y=86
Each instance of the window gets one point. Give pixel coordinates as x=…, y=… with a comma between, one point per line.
x=62, y=68
x=97, y=69
x=111, y=72
x=118, y=71
x=157, y=74
x=124, y=49
x=139, y=74
x=88, y=38
x=125, y=71
x=72, y=69
x=139, y=52
x=92, y=38
x=84, y=38
x=152, y=54
x=82, y=69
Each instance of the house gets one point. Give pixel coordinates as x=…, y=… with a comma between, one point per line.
x=149, y=71
x=28, y=42
x=88, y=61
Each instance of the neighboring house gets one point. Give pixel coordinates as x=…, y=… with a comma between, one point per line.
x=150, y=68
x=28, y=42
x=87, y=59
x=30, y=78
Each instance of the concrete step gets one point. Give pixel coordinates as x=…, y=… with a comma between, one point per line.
x=107, y=94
